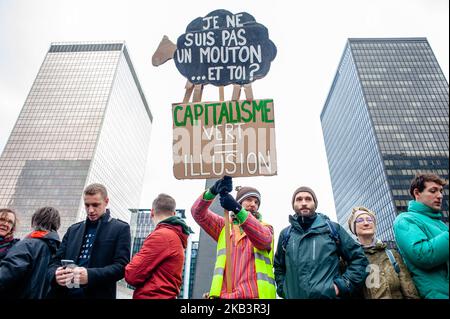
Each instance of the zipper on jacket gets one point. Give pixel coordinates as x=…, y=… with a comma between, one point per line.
x=314, y=249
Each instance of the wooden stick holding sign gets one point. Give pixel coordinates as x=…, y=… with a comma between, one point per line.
x=228, y=267
x=226, y=216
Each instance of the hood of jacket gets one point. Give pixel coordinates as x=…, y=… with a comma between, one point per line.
x=179, y=226
x=378, y=246
x=420, y=208
x=317, y=225
x=51, y=238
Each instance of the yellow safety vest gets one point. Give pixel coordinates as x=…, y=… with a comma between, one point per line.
x=263, y=265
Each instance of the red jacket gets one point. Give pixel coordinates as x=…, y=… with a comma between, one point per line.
x=156, y=270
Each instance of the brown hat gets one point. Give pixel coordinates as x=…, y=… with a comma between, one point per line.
x=304, y=189
x=356, y=212
x=246, y=192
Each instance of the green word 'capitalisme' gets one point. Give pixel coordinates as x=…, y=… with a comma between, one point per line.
x=223, y=112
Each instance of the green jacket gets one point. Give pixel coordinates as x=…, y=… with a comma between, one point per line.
x=422, y=238
x=310, y=265
x=383, y=281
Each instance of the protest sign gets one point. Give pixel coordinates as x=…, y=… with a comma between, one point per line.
x=224, y=48
x=235, y=138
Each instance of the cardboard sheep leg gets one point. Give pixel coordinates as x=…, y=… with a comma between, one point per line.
x=189, y=88
x=236, y=92
x=221, y=93
x=198, y=91
x=248, y=92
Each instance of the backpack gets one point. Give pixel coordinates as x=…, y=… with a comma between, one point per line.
x=392, y=260
x=334, y=234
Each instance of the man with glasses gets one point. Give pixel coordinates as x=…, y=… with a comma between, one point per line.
x=422, y=237
x=307, y=258
x=99, y=247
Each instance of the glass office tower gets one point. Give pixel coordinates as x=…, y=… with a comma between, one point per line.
x=385, y=119
x=85, y=120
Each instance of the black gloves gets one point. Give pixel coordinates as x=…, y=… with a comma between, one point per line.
x=229, y=203
x=223, y=185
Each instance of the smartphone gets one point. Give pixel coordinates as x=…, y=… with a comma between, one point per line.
x=68, y=263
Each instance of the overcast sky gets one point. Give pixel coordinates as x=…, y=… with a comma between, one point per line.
x=310, y=37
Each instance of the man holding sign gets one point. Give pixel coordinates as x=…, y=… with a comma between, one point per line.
x=250, y=240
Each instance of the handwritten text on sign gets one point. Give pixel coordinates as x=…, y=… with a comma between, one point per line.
x=235, y=138
x=224, y=48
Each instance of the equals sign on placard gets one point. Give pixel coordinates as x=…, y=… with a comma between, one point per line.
x=229, y=148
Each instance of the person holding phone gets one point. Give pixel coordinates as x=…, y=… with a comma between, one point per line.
x=99, y=246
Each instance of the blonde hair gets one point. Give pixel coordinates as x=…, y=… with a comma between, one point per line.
x=95, y=189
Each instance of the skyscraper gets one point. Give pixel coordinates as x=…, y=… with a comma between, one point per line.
x=206, y=255
x=189, y=268
x=385, y=118
x=85, y=120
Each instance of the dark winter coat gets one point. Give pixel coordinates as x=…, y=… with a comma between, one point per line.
x=310, y=265
x=5, y=245
x=109, y=256
x=23, y=271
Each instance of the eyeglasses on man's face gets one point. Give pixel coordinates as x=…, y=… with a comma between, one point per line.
x=362, y=220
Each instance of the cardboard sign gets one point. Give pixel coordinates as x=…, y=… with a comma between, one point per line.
x=224, y=48
x=213, y=139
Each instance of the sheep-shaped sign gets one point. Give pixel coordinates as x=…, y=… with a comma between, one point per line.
x=221, y=48
x=235, y=137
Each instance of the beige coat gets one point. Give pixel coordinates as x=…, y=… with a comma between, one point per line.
x=389, y=284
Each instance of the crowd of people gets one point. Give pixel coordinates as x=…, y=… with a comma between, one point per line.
x=315, y=258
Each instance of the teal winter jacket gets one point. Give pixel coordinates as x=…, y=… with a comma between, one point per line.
x=309, y=266
x=422, y=239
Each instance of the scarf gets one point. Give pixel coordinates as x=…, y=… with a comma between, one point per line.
x=38, y=234
x=6, y=243
x=176, y=220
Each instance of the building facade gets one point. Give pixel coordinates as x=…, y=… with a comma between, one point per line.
x=207, y=251
x=84, y=120
x=385, y=118
x=190, y=266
